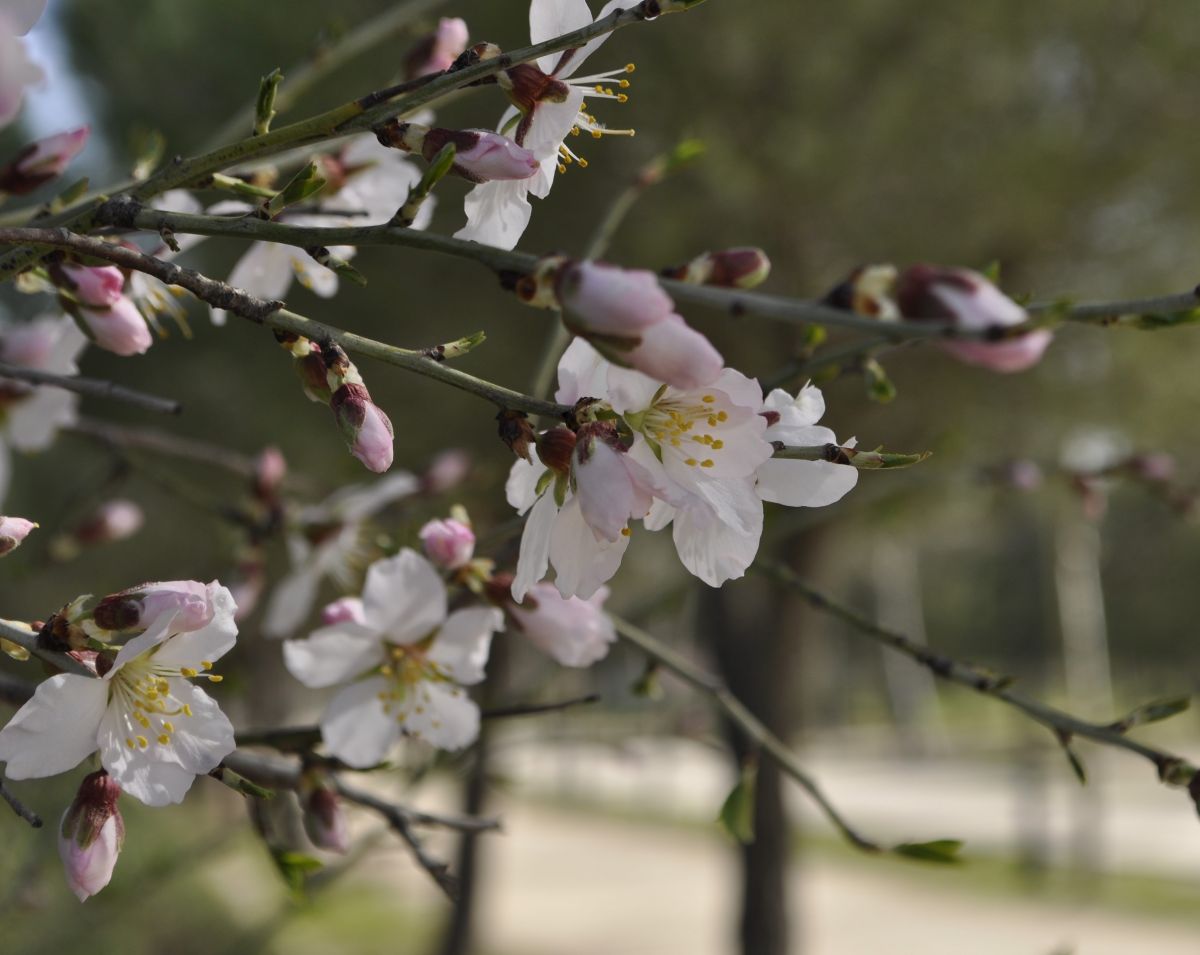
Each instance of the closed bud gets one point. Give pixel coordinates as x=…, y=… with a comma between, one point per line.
x=730, y=268
x=481, y=155
x=437, y=51
x=138, y=607
x=314, y=381
x=96, y=287
x=42, y=161
x=367, y=430
x=971, y=303
x=447, y=470
x=448, y=543
x=515, y=431
x=605, y=300
x=91, y=834
x=119, y=328
x=555, y=448
x=13, y=530
x=113, y=520
x=527, y=86
x=324, y=818
x=674, y=352
x=868, y=291
x=270, y=468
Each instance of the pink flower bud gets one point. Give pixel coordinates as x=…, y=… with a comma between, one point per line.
x=91, y=834
x=448, y=470
x=574, y=632
x=675, y=353
x=96, y=287
x=119, y=329
x=367, y=430
x=448, y=543
x=605, y=300
x=30, y=344
x=728, y=268
x=437, y=51
x=270, y=468
x=344, y=610
x=138, y=607
x=112, y=521
x=324, y=818
x=42, y=161
x=13, y=530
x=482, y=156
x=972, y=303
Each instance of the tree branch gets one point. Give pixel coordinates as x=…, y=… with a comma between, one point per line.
x=19, y=807
x=23, y=637
x=93, y=387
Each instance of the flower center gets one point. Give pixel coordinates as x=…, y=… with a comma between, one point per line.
x=594, y=87
x=410, y=673
x=144, y=692
x=689, y=426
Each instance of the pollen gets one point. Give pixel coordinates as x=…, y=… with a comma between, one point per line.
x=188, y=672
x=142, y=742
x=706, y=463
x=690, y=462
x=717, y=445
x=164, y=739
x=625, y=532
x=215, y=678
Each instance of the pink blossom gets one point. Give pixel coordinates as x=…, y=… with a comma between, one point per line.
x=573, y=631
x=367, y=430
x=438, y=51
x=972, y=303
x=270, y=468
x=113, y=520
x=13, y=530
x=673, y=352
x=343, y=610
x=41, y=161
x=450, y=544
x=448, y=469
x=325, y=819
x=91, y=834
x=119, y=328
x=606, y=300
x=494, y=157
x=94, y=286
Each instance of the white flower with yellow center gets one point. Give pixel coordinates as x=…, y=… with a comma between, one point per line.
x=405, y=660
x=154, y=728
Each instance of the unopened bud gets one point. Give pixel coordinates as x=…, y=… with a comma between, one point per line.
x=868, y=291
x=515, y=431
x=96, y=287
x=120, y=328
x=367, y=430
x=447, y=471
x=555, y=448
x=1155, y=467
x=448, y=543
x=730, y=268
x=527, y=86
x=437, y=51
x=324, y=817
x=539, y=287
x=138, y=607
x=42, y=161
x=113, y=520
x=270, y=468
x=91, y=834
x=605, y=300
x=970, y=302
x=13, y=530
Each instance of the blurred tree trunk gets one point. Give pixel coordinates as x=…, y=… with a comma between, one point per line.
x=457, y=934
x=741, y=623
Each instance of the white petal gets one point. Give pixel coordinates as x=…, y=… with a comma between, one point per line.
x=604, y=490
x=441, y=714
x=158, y=631
x=573, y=64
x=534, y=558
x=630, y=390
x=203, y=739
x=661, y=514
x=355, y=727
x=461, y=646
x=291, y=601
x=360, y=501
x=404, y=597
x=551, y=124
x=552, y=18
x=521, y=487
x=56, y=728
x=210, y=642
x=743, y=391
x=713, y=550
x=332, y=655
x=582, y=373
x=581, y=562
x=498, y=213
x=805, y=483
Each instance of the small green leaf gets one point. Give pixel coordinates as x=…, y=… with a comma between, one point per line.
x=307, y=182
x=295, y=868
x=1151, y=713
x=264, y=105
x=941, y=851
x=1064, y=740
x=737, y=812
x=879, y=386
x=71, y=194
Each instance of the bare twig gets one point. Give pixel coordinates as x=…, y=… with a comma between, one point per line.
x=20, y=808
x=93, y=387
x=1172, y=769
x=163, y=442
x=535, y=709
x=746, y=722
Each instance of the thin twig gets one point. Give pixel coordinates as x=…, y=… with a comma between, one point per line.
x=19, y=807
x=1172, y=769
x=93, y=387
x=163, y=442
x=417, y=817
x=15, y=691
x=746, y=722
x=534, y=709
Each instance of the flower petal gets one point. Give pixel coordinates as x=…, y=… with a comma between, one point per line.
x=498, y=212
x=534, y=558
x=713, y=550
x=805, y=483
x=333, y=655
x=404, y=596
x=442, y=715
x=461, y=646
x=56, y=729
x=291, y=600
x=552, y=18
x=355, y=727
x=581, y=562
x=210, y=642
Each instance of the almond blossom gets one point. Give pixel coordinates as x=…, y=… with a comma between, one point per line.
x=330, y=541
x=405, y=662
x=550, y=105
x=31, y=416
x=154, y=728
x=575, y=632
x=17, y=71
